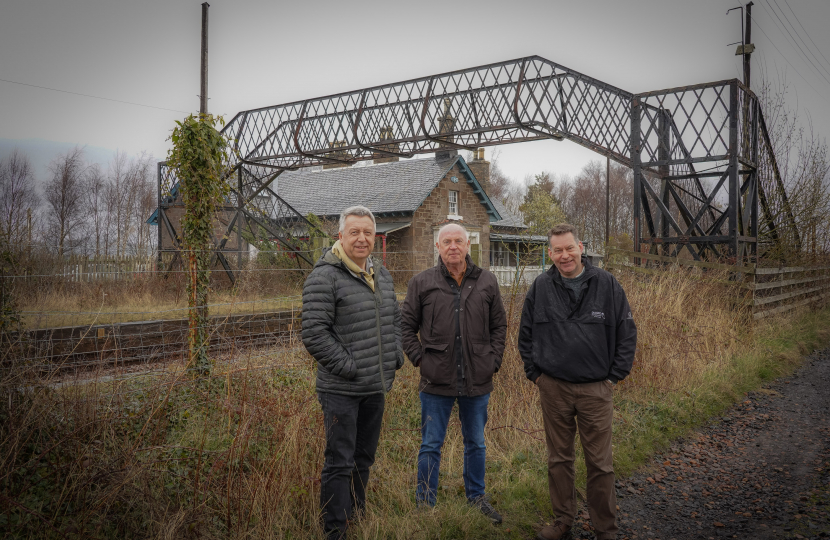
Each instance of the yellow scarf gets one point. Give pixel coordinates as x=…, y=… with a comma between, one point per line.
x=369, y=276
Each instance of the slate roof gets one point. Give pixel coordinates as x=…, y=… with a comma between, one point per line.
x=508, y=219
x=385, y=188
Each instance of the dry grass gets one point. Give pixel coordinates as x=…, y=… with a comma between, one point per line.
x=239, y=455
x=688, y=325
x=50, y=303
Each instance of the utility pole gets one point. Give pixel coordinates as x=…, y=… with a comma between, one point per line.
x=745, y=46
x=748, y=46
x=607, y=202
x=203, y=96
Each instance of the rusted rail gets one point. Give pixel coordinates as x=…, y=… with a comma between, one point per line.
x=82, y=348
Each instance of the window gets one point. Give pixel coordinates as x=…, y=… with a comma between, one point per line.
x=453, y=203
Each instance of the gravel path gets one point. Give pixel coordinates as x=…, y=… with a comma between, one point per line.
x=760, y=471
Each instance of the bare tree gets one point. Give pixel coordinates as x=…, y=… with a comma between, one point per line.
x=96, y=208
x=18, y=199
x=64, y=198
x=804, y=166
x=583, y=200
x=500, y=183
x=143, y=202
x=117, y=196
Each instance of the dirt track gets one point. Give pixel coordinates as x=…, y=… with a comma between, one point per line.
x=760, y=471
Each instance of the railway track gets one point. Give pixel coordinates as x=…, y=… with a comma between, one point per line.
x=70, y=349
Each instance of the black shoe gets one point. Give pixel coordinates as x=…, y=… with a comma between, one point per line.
x=335, y=534
x=483, y=504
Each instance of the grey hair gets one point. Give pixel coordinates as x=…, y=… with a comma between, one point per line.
x=360, y=211
x=466, y=234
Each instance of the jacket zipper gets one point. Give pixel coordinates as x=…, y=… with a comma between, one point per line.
x=376, y=293
x=380, y=341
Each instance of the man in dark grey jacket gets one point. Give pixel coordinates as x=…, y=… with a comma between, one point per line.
x=352, y=327
x=457, y=308
x=577, y=341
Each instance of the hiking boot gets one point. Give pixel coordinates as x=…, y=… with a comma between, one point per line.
x=557, y=531
x=483, y=504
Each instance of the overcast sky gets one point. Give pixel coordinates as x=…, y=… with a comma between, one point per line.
x=266, y=52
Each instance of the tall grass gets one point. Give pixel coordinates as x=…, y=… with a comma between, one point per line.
x=239, y=455
x=52, y=301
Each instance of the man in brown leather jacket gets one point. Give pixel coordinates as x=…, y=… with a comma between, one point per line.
x=457, y=308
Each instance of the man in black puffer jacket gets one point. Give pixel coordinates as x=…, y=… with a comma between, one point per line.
x=352, y=327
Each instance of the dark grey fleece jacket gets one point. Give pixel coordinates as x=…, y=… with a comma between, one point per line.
x=354, y=333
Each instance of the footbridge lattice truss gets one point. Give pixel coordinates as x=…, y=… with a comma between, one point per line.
x=701, y=154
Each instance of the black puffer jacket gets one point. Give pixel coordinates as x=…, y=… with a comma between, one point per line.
x=352, y=332
x=586, y=341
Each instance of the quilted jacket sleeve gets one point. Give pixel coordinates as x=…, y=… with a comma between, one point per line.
x=319, y=335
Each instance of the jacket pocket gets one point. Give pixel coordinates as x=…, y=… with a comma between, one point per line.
x=483, y=363
x=436, y=367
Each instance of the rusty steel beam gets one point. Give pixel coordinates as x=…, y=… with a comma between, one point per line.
x=682, y=136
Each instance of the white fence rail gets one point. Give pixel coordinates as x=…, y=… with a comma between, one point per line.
x=509, y=275
x=105, y=269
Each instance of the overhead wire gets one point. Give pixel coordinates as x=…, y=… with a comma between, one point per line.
x=771, y=42
x=817, y=70
x=93, y=97
x=801, y=39
x=807, y=33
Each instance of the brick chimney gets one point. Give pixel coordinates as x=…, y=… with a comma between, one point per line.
x=386, y=134
x=337, y=154
x=480, y=168
x=447, y=125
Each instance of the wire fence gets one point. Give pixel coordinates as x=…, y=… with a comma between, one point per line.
x=77, y=321
x=77, y=315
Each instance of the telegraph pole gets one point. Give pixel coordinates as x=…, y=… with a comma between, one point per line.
x=748, y=47
x=203, y=96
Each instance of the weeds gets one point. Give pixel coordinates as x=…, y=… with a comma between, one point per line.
x=239, y=454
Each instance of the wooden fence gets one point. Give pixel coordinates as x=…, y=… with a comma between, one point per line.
x=770, y=290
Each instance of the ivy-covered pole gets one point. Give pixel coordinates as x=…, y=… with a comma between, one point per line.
x=199, y=156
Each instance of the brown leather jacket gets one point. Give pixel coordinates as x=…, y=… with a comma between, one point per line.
x=430, y=307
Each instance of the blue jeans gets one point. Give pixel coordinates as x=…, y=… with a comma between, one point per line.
x=435, y=415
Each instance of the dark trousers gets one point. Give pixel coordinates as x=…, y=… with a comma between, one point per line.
x=590, y=407
x=352, y=426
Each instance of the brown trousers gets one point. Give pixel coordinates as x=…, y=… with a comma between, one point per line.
x=590, y=406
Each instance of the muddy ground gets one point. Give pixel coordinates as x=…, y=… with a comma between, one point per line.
x=761, y=471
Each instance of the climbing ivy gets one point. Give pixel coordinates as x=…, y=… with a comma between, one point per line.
x=200, y=157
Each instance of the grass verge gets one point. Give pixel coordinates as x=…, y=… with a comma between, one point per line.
x=239, y=455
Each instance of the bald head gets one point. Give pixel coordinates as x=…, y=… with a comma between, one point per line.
x=452, y=227
x=453, y=244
